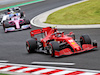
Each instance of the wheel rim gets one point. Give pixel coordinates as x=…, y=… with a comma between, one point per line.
x=3, y=27
x=27, y=48
x=50, y=49
x=82, y=40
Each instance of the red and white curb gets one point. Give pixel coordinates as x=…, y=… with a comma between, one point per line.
x=44, y=70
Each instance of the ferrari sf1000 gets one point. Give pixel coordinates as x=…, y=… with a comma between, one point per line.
x=51, y=41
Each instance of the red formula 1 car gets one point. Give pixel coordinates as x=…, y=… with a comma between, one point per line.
x=51, y=41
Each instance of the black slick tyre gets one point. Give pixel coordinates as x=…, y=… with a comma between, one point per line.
x=85, y=39
x=27, y=22
x=0, y=19
x=5, y=25
x=22, y=15
x=53, y=45
x=31, y=45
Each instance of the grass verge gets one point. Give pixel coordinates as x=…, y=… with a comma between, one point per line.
x=83, y=13
x=4, y=74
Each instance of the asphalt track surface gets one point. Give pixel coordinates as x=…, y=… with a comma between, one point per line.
x=13, y=49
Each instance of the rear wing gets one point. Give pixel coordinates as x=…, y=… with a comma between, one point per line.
x=39, y=31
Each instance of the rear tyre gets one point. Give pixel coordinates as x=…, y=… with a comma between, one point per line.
x=5, y=25
x=85, y=39
x=95, y=43
x=22, y=15
x=31, y=45
x=53, y=45
x=0, y=19
x=27, y=22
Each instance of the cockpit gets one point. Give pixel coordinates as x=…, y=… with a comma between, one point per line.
x=58, y=33
x=15, y=18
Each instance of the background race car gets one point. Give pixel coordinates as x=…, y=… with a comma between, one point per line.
x=16, y=23
x=15, y=9
x=10, y=13
x=51, y=41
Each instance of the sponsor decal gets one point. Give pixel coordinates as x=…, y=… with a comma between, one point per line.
x=10, y=29
x=10, y=15
x=73, y=43
x=70, y=40
x=25, y=26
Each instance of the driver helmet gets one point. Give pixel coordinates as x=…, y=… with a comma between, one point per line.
x=8, y=10
x=59, y=35
x=14, y=15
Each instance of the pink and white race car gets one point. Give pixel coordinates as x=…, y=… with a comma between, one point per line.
x=16, y=23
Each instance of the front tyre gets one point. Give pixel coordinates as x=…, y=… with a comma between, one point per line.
x=53, y=45
x=6, y=25
x=31, y=45
x=85, y=39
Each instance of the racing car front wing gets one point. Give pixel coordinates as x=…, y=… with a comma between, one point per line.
x=9, y=29
x=26, y=26
x=67, y=51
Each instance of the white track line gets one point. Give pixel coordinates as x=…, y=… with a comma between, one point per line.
x=54, y=63
x=3, y=61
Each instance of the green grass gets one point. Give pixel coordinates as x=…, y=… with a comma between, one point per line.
x=83, y=13
x=4, y=74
